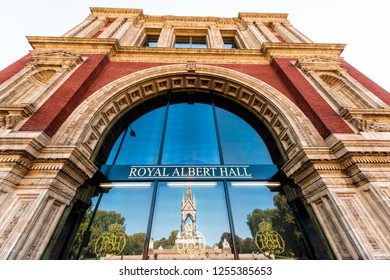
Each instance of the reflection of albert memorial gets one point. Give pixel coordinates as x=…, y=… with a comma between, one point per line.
x=190, y=242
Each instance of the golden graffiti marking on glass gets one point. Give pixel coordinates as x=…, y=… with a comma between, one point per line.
x=112, y=241
x=269, y=240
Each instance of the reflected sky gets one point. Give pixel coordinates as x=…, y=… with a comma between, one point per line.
x=243, y=201
x=190, y=135
x=190, y=138
x=131, y=203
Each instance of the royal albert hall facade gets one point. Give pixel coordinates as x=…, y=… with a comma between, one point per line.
x=137, y=136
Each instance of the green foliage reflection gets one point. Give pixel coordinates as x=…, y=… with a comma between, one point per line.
x=283, y=222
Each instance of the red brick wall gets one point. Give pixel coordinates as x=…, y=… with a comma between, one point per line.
x=97, y=72
x=57, y=108
x=368, y=83
x=325, y=119
x=265, y=73
x=14, y=68
x=93, y=74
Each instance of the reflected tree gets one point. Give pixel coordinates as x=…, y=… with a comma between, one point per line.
x=283, y=222
x=166, y=243
x=135, y=244
x=244, y=246
x=103, y=219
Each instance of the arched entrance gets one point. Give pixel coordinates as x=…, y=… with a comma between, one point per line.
x=219, y=96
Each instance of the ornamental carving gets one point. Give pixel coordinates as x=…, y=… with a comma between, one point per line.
x=191, y=66
x=320, y=63
x=368, y=120
x=370, y=125
x=367, y=234
x=15, y=220
x=11, y=115
x=54, y=60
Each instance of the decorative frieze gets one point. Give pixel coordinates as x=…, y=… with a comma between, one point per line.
x=54, y=60
x=368, y=120
x=320, y=63
x=362, y=225
x=21, y=209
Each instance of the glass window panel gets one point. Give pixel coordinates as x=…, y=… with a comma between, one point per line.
x=190, y=135
x=143, y=148
x=241, y=144
x=196, y=42
x=264, y=223
x=150, y=40
x=230, y=43
x=119, y=227
x=190, y=222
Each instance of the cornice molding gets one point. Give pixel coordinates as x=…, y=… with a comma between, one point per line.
x=300, y=50
x=115, y=11
x=96, y=11
x=112, y=48
x=264, y=16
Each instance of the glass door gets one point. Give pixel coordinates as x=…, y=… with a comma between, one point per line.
x=115, y=226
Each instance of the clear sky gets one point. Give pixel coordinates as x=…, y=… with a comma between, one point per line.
x=362, y=25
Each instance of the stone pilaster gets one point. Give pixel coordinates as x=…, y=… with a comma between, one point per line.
x=249, y=39
x=43, y=182
x=216, y=40
x=348, y=192
x=110, y=30
x=92, y=28
x=297, y=33
x=132, y=33
x=165, y=39
x=270, y=36
x=77, y=29
x=285, y=33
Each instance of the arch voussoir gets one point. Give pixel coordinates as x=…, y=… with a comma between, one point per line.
x=87, y=125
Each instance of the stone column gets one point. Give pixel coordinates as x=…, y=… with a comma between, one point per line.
x=109, y=31
x=92, y=28
x=285, y=33
x=30, y=212
x=353, y=228
x=165, y=40
x=256, y=32
x=216, y=40
x=270, y=36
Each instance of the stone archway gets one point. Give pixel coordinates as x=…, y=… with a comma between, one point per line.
x=87, y=125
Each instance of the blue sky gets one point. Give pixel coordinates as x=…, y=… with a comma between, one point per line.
x=363, y=29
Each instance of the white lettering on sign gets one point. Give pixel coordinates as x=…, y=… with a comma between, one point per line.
x=166, y=172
